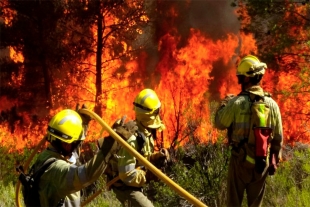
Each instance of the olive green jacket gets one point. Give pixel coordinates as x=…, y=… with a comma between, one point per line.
x=236, y=114
x=65, y=180
x=128, y=164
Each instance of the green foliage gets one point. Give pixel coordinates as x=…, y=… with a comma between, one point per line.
x=290, y=185
x=9, y=161
x=196, y=169
x=201, y=170
x=207, y=180
x=105, y=198
x=7, y=194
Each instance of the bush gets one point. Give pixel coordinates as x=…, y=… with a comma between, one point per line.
x=196, y=169
x=290, y=185
x=201, y=170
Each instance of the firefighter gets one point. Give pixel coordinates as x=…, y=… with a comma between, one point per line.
x=234, y=114
x=133, y=176
x=61, y=183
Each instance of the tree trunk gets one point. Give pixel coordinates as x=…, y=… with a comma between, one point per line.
x=44, y=67
x=98, y=101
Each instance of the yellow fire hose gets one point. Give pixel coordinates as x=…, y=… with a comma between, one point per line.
x=144, y=161
x=133, y=152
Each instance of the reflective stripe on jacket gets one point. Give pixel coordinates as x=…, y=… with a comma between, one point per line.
x=237, y=115
x=65, y=180
x=127, y=164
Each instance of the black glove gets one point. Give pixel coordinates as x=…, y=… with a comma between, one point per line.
x=108, y=146
x=85, y=118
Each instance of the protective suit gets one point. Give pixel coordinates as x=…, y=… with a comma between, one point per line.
x=65, y=180
x=235, y=115
x=62, y=181
x=132, y=175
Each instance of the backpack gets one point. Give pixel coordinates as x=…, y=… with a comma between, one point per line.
x=256, y=146
x=112, y=169
x=30, y=183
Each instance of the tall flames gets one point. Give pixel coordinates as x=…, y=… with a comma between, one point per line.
x=188, y=72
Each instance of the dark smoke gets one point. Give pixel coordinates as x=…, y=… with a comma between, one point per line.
x=214, y=18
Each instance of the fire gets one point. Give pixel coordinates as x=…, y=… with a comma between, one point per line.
x=188, y=71
x=185, y=83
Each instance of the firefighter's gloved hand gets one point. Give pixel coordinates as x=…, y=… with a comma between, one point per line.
x=131, y=126
x=160, y=158
x=119, y=122
x=85, y=118
x=123, y=132
x=165, y=153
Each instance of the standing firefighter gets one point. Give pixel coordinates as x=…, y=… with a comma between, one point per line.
x=61, y=182
x=132, y=175
x=254, y=126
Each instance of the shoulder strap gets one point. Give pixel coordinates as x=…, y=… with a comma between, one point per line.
x=37, y=174
x=140, y=141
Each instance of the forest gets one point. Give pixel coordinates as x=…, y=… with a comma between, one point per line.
x=59, y=53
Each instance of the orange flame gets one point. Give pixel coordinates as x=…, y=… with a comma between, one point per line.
x=187, y=79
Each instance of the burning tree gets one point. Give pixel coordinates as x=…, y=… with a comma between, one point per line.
x=71, y=52
x=109, y=32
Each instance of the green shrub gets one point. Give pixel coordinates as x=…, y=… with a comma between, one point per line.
x=290, y=185
x=196, y=169
x=7, y=194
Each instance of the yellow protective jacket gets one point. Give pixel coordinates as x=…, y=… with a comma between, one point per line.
x=236, y=114
x=65, y=180
x=127, y=164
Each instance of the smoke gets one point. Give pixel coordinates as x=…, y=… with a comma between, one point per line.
x=213, y=18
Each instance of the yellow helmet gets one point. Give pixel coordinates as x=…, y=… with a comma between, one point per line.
x=250, y=66
x=146, y=106
x=66, y=126
x=147, y=102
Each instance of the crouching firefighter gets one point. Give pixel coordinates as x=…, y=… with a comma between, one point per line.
x=60, y=183
x=129, y=175
x=254, y=126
